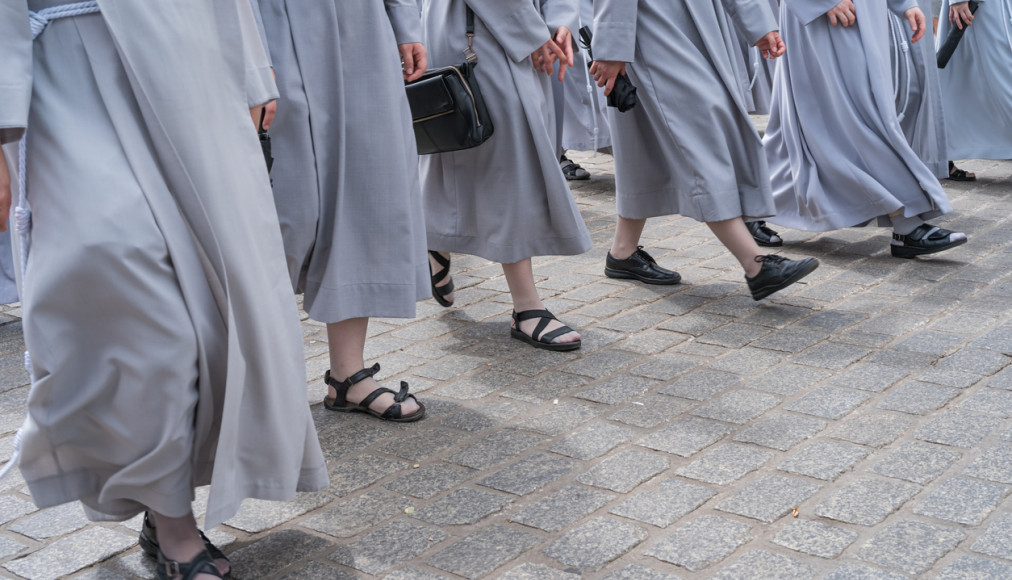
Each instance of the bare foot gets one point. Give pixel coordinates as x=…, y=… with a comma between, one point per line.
x=527, y=327
x=360, y=390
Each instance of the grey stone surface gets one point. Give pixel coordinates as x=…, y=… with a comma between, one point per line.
x=271, y=554
x=828, y=402
x=917, y=398
x=781, y=430
x=558, y=419
x=387, y=546
x=617, y=389
x=824, y=460
x=909, y=546
x=997, y=402
x=866, y=501
x=814, y=538
x=763, y=564
x=995, y=540
x=592, y=545
x=420, y=448
x=624, y=470
x=257, y=515
x=494, y=448
x=410, y=573
x=651, y=411
x=769, y=498
x=725, y=464
x=664, y=505
x=748, y=361
x=850, y=571
x=701, y=385
x=868, y=377
x=788, y=379
x=685, y=436
x=488, y=415
x=462, y=506
x=529, y=571
x=962, y=500
x=995, y=464
x=562, y=508
x=593, y=440
x=70, y=554
x=52, y=522
x=10, y=548
x=480, y=553
x=13, y=507
x=428, y=480
x=543, y=388
x=359, y=471
x=739, y=406
x=971, y=568
x=916, y=462
x=733, y=335
x=351, y=516
x=637, y=572
x=958, y=428
x=530, y=473
x=702, y=542
x=831, y=355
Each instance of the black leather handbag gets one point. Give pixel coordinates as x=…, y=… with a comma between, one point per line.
x=447, y=108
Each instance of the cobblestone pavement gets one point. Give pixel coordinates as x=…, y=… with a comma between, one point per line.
x=857, y=425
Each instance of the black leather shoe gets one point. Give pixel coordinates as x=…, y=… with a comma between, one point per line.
x=778, y=273
x=763, y=235
x=640, y=266
x=925, y=239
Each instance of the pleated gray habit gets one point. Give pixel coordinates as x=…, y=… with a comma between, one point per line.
x=164, y=338
x=345, y=161
x=837, y=153
x=689, y=146
x=756, y=71
x=584, y=127
x=977, y=84
x=507, y=199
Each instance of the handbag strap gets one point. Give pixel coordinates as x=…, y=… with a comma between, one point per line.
x=470, y=56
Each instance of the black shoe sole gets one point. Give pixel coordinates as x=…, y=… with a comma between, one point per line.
x=626, y=275
x=768, y=244
x=909, y=252
x=764, y=291
x=555, y=346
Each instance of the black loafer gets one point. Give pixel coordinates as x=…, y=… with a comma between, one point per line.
x=925, y=239
x=640, y=266
x=763, y=235
x=778, y=273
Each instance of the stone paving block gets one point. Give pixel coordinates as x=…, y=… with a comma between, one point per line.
x=958, y=428
x=788, y=379
x=737, y=306
x=916, y=462
x=1001, y=380
x=930, y=342
x=661, y=507
x=10, y=548
x=739, y=406
x=791, y=339
x=594, y=440
x=769, y=498
x=487, y=415
x=462, y=506
x=428, y=480
x=748, y=361
x=600, y=363
x=909, y=546
x=868, y=377
x=410, y=573
x=866, y=501
x=664, y=367
x=725, y=464
x=651, y=411
x=865, y=339
x=701, y=385
x=617, y=389
x=949, y=378
x=530, y=473
x=348, y=517
x=561, y=418
x=907, y=360
x=592, y=545
x=51, y=522
x=562, y=508
x=625, y=470
x=781, y=430
x=494, y=448
x=531, y=364
x=995, y=540
x=634, y=321
x=652, y=341
x=436, y=439
x=824, y=460
x=851, y=571
x=829, y=402
x=257, y=515
x=388, y=546
x=12, y=507
x=998, y=339
x=733, y=335
x=529, y=571
x=990, y=402
x=685, y=436
x=917, y=398
x=695, y=323
x=763, y=564
x=71, y=553
x=544, y=388
x=482, y=552
x=478, y=385
x=994, y=465
x=323, y=571
x=637, y=572
x=702, y=542
x=962, y=500
x=831, y=355
x=971, y=568
x=832, y=320
x=814, y=538
x=875, y=430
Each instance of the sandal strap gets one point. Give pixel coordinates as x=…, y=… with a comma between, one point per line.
x=444, y=290
x=341, y=387
x=551, y=336
x=546, y=318
x=200, y=564
x=394, y=410
x=444, y=267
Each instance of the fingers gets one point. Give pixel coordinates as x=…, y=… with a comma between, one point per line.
x=918, y=24
x=421, y=60
x=608, y=86
x=254, y=114
x=564, y=38
x=270, y=110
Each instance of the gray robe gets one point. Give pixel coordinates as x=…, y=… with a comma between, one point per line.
x=165, y=342
x=345, y=162
x=837, y=153
x=977, y=84
x=757, y=72
x=507, y=199
x=583, y=123
x=689, y=146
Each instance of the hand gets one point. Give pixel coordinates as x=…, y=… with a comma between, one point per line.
x=5, y=192
x=960, y=15
x=268, y=111
x=918, y=23
x=543, y=59
x=414, y=60
x=843, y=14
x=605, y=72
x=564, y=40
x=771, y=46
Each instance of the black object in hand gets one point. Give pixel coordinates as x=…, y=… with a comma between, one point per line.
x=623, y=92
x=265, y=142
x=952, y=40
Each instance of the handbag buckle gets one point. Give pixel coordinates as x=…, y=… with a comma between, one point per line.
x=470, y=55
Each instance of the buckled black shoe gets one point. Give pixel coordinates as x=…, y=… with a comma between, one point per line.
x=925, y=239
x=777, y=273
x=640, y=266
x=763, y=235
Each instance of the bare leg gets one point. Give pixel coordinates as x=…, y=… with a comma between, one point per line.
x=179, y=540
x=627, y=237
x=347, y=345
x=520, y=278
x=737, y=239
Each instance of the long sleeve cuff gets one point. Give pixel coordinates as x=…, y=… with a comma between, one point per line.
x=614, y=40
x=407, y=23
x=260, y=86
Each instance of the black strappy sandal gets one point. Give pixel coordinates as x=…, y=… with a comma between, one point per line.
x=441, y=292
x=538, y=340
x=957, y=174
x=148, y=541
x=202, y=563
x=392, y=413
